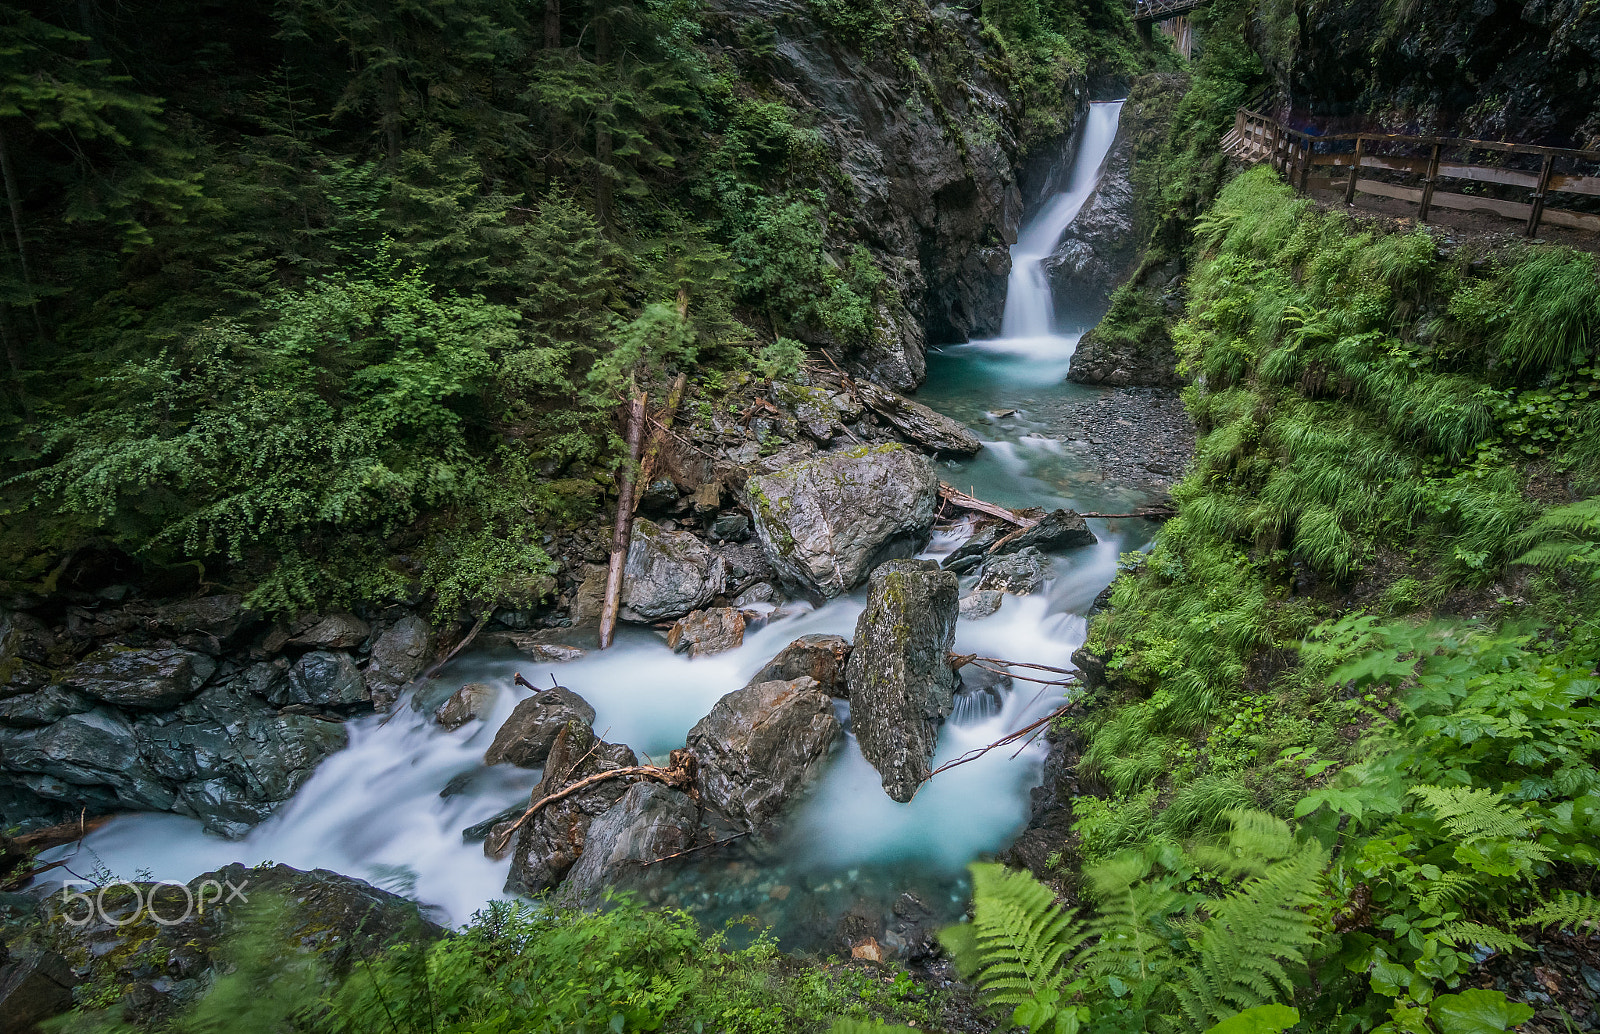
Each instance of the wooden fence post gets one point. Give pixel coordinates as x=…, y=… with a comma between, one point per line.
x=1305, y=162
x=1537, y=212
x=1427, y=185
x=1355, y=170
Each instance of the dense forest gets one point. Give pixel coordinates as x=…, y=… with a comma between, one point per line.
x=334, y=305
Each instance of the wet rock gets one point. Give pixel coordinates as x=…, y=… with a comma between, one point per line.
x=34, y=988
x=1018, y=573
x=543, y=645
x=731, y=527
x=869, y=950
x=659, y=496
x=90, y=759
x=1092, y=665
x=335, y=632
x=703, y=632
x=551, y=842
x=219, y=617
x=590, y=594
x=1056, y=530
x=474, y=700
x=152, y=678
x=901, y=684
x=322, y=679
x=760, y=745
x=50, y=704
x=825, y=524
x=479, y=831
x=525, y=738
x=760, y=592
x=820, y=658
x=398, y=656
x=917, y=423
x=668, y=574
x=160, y=967
x=651, y=821
x=975, y=606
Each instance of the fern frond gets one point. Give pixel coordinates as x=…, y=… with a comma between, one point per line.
x=1128, y=914
x=1474, y=814
x=1452, y=886
x=1569, y=911
x=1464, y=932
x=1020, y=942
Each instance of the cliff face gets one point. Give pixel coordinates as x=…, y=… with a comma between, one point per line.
x=1528, y=71
x=926, y=133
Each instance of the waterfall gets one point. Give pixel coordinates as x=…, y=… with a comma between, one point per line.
x=1029, y=311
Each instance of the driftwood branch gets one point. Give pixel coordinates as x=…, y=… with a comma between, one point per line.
x=692, y=850
x=978, y=752
x=622, y=529
x=1161, y=512
x=679, y=772
x=956, y=497
x=483, y=619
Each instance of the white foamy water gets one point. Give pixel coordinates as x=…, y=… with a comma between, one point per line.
x=375, y=810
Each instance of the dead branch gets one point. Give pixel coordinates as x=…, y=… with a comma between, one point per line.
x=652, y=451
x=622, y=529
x=978, y=752
x=692, y=850
x=678, y=773
x=1150, y=513
x=956, y=497
x=483, y=619
x=1026, y=664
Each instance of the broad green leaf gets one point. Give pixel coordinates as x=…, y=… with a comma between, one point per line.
x=1477, y=1012
x=1263, y=1019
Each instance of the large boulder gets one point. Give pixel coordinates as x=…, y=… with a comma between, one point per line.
x=471, y=701
x=217, y=618
x=826, y=523
x=901, y=683
x=1058, y=529
x=50, y=704
x=668, y=574
x=526, y=737
x=917, y=423
x=703, y=632
x=322, y=679
x=398, y=655
x=818, y=657
x=150, y=679
x=550, y=843
x=650, y=822
x=760, y=744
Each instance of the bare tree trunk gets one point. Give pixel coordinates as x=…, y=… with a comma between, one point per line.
x=622, y=530
x=647, y=466
x=552, y=24
x=16, y=228
x=602, y=128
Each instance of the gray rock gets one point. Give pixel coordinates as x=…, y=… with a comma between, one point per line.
x=525, y=738
x=1056, y=530
x=651, y=821
x=659, y=496
x=820, y=658
x=89, y=759
x=704, y=632
x=760, y=745
x=474, y=700
x=152, y=678
x=916, y=422
x=901, y=684
x=543, y=645
x=668, y=574
x=816, y=411
x=43, y=706
x=398, y=656
x=34, y=988
x=335, y=632
x=731, y=527
x=220, y=617
x=322, y=679
x=549, y=844
x=1018, y=573
x=975, y=606
x=760, y=592
x=825, y=524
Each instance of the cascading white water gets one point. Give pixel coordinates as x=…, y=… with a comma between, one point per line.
x=1030, y=312
x=390, y=807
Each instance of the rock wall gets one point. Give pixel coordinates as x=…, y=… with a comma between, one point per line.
x=927, y=143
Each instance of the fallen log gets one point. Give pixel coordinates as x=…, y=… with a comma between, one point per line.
x=663, y=426
x=956, y=497
x=1149, y=513
x=677, y=773
x=622, y=529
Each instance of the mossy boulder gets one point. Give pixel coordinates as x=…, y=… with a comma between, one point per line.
x=826, y=523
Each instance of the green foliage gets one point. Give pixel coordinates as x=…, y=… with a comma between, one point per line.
x=781, y=359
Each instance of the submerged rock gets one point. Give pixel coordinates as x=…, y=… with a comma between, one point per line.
x=1058, y=529
x=551, y=842
x=901, y=684
x=1018, y=573
x=526, y=737
x=703, y=632
x=975, y=606
x=826, y=523
x=668, y=574
x=151, y=679
x=818, y=657
x=932, y=430
x=760, y=744
x=651, y=821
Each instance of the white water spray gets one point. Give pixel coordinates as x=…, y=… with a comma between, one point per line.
x=1029, y=311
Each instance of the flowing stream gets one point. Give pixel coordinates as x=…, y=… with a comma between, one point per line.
x=390, y=808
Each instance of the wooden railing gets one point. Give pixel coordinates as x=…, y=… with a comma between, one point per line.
x=1161, y=10
x=1548, y=170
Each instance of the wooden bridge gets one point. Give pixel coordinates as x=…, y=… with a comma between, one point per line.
x=1145, y=11
x=1412, y=167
